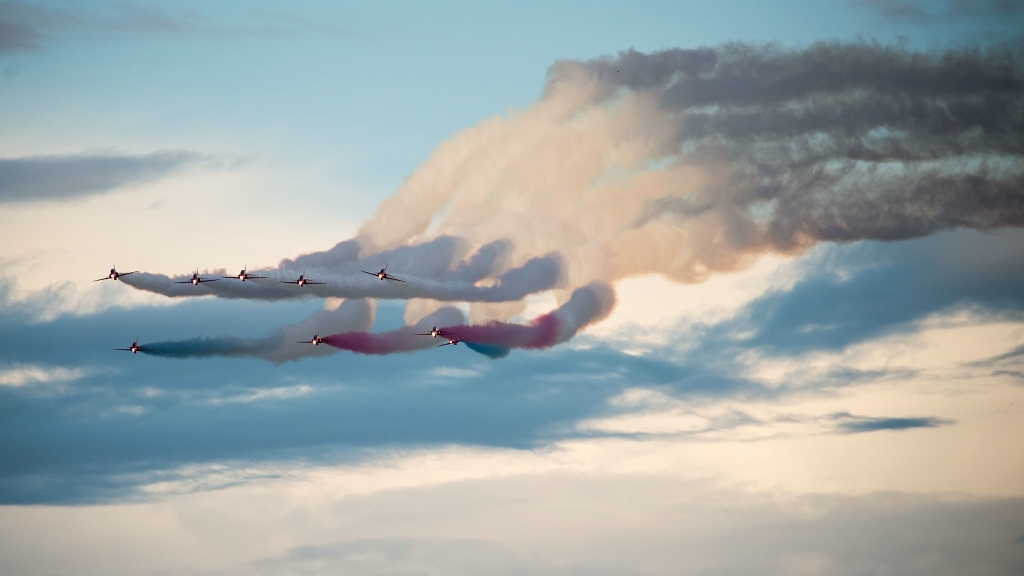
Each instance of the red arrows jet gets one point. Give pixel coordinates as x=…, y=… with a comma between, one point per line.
x=382, y=274
x=301, y=281
x=315, y=341
x=134, y=348
x=434, y=332
x=114, y=274
x=196, y=279
x=450, y=342
x=243, y=276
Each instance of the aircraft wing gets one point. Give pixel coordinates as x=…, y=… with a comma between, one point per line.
x=395, y=279
x=208, y=279
x=182, y=281
x=125, y=349
x=370, y=273
x=251, y=277
x=126, y=273
x=98, y=279
x=311, y=282
x=288, y=281
x=445, y=344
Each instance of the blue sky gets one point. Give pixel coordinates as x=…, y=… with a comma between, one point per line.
x=831, y=407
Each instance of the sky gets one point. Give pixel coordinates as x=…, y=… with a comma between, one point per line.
x=737, y=288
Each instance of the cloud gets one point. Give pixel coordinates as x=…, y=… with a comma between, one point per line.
x=16, y=35
x=922, y=12
x=845, y=295
x=21, y=375
x=30, y=26
x=399, y=556
x=855, y=424
x=39, y=178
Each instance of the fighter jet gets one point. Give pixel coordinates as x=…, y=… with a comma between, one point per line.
x=114, y=274
x=134, y=348
x=451, y=341
x=315, y=341
x=196, y=279
x=434, y=332
x=301, y=281
x=382, y=274
x=243, y=276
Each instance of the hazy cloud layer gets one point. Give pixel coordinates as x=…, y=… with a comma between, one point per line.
x=36, y=178
x=1002, y=12
x=29, y=26
x=821, y=534
x=126, y=421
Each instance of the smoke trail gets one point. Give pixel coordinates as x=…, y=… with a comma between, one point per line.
x=687, y=162
x=433, y=270
x=587, y=305
x=279, y=346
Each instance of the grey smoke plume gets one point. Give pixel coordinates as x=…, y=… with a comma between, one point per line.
x=687, y=162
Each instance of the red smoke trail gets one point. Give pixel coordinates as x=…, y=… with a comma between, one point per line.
x=587, y=305
x=541, y=333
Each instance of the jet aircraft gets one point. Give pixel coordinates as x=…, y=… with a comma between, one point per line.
x=451, y=342
x=134, y=348
x=382, y=274
x=434, y=332
x=196, y=279
x=315, y=341
x=301, y=281
x=114, y=274
x=243, y=276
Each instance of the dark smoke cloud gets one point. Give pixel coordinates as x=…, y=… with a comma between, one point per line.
x=837, y=141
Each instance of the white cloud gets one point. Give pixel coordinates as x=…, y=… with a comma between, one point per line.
x=26, y=374
x=258, y=394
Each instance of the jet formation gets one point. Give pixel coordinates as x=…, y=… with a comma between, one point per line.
x=243, y=276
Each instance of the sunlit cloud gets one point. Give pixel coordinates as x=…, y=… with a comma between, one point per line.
x=25, y=375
